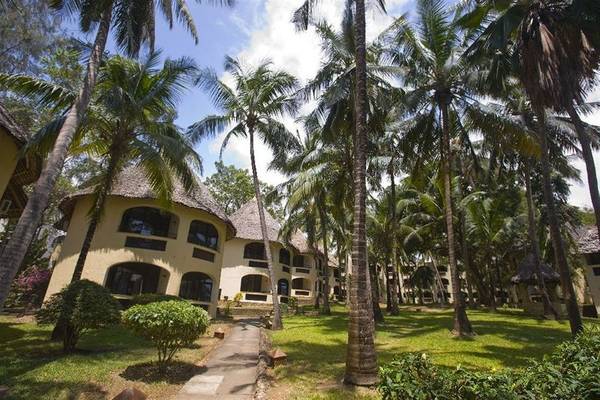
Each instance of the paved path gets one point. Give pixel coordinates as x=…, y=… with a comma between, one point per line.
x=231, y=369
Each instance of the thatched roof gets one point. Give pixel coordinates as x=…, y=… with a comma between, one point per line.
x=132, y=183
x=587, y=239
x=299, y=241
x=527, y=272
x=247, y=223
x=11, y=126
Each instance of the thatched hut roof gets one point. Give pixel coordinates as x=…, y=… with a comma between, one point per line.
x=527, y=272
x=587, y=239
x=133, y=183
x=247, y=223
x=11, y=126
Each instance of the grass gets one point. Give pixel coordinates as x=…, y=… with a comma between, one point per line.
x=316, y=346
x=107, y=362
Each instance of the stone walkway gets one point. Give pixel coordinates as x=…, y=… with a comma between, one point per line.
x=231, y=369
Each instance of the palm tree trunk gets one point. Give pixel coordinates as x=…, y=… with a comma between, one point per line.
x=277, y=323
x=394, y=310
x=97, y=210
x=493, y=303
x=555, y=234
x=361, y=359
x=588, y=157
x=323, y=218
x=377, y=314
x=16, y=248
x=535, y=246
x=462, y=326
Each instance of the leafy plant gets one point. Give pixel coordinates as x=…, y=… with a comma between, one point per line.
x=29, y=288
x=81, y=306
x=170, y=325
x=570, y=372
x=238, y=299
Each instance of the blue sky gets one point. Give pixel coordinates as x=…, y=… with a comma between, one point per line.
x=257, y=29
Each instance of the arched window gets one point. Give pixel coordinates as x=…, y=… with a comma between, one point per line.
x=255, y=251
x=203, y=234
x=133, y=278
x=254, y=283
x=283, y=287
x=149, y=221
x=284, y=256
x=301, y=283
x=196, y=286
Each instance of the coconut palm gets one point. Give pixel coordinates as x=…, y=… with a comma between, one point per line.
x=133, y=23
x=129, y=121
x=251, y=109
x=430, y=53
x=361, y=359
x=554, y=48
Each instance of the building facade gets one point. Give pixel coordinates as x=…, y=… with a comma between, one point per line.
x=245, y=271
x=140, y=247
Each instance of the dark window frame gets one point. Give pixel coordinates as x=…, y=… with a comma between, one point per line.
x=285, y=257
x=252, y=250
x=207, y=230
x=197, y=287
x=141, y=224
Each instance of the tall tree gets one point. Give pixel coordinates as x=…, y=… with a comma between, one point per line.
x=361, y=359
x=251, y=109
x=553, y=44
x=430, y=52
x=134, y=23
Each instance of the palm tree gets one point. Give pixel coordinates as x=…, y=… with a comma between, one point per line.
x=131, y=122
x=430, y=53
x=134, y=23
x=361, y=359
x=555, y=47
x=261, y=95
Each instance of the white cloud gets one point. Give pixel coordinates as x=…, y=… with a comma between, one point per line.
x=273, y=36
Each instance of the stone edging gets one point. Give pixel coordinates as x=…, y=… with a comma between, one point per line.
x=263, y=377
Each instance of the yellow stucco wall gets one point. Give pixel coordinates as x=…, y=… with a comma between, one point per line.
x=235, y=266
x=8, y=161
x=108, y=248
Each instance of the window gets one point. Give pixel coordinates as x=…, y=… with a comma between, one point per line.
x=258, y=264
x=255, y=251
x=283, y=287
x=300, y=283
x=147, y=244
x=196, y=286
x=252, y=283
x=299, y=261
x=203, y=234
x=203, y=255
x=596, y=271
x=284, y=256
x=149, y=221
x=133, y=278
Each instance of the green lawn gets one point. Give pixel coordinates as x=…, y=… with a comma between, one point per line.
x=109, y=361
x=316, y=346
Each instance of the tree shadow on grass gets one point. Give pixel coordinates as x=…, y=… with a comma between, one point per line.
x=177, y=372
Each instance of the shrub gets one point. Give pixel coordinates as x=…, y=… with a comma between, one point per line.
x=293, y=302
x=81, y=306
x=238, y=299
x=170, y=325
x=570, y=372
x=147, y=298
x=28, y=289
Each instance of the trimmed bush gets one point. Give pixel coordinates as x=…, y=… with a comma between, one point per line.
x=81, y=306
x=170, y=325
x=147, y=298
x=572, y=372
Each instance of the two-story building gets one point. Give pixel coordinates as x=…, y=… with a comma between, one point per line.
x=245, y=270
x=141, y=247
